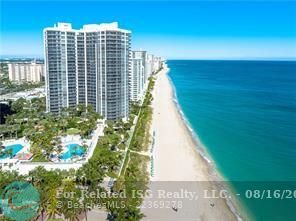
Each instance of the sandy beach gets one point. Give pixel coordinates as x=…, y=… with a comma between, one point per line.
x=177, y=166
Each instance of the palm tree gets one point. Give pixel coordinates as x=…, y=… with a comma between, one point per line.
x=86, y=202
x=9, y=152
x=91, y=174
x=52, y=208
x=64, y=124
x=47, y=182
x=59, y=149
x=71, y=213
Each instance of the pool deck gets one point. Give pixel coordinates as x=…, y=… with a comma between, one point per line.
x=22, y=141
x=25, y=166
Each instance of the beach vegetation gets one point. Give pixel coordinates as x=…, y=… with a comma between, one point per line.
x=134, y=175
x=43, y=130
x=141, y=139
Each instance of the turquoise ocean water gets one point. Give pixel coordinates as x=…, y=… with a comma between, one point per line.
x=244, y=113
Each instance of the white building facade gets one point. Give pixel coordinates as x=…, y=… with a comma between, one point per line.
x=26, y=72
x=153, y=64
x=137, y=79
x=89, y=66
x=143, y=65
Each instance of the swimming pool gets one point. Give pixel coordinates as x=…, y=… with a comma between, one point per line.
x=73, y=150
x=14, y=148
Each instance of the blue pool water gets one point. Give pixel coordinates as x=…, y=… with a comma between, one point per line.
x=73, y=150
x=15, y=149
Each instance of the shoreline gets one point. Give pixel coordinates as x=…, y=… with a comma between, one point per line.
x=216, y=175
x=185, y=148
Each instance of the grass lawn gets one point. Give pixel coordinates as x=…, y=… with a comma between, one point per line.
x=39, y=158
x=72, y=131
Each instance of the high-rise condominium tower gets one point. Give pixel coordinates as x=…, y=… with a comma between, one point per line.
x=88, y=66
x=137, y=78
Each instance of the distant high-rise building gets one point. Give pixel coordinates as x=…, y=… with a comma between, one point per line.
x=26, y=72
x=88, y=66
x=149, y=64
x=153, y=64
x=157, y=63
x=137, y=75
x=143, y=65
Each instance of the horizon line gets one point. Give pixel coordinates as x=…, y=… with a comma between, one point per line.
x=15, y=57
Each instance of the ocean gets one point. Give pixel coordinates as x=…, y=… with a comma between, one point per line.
x=244, y=114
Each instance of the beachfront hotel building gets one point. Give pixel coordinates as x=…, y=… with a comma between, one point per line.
x=89, y=66
x=21, y=72
x=153, y=64
x=157, y=64
x=137, y=75
x=143, y=65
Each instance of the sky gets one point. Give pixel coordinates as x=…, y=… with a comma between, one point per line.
x=213, y=29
